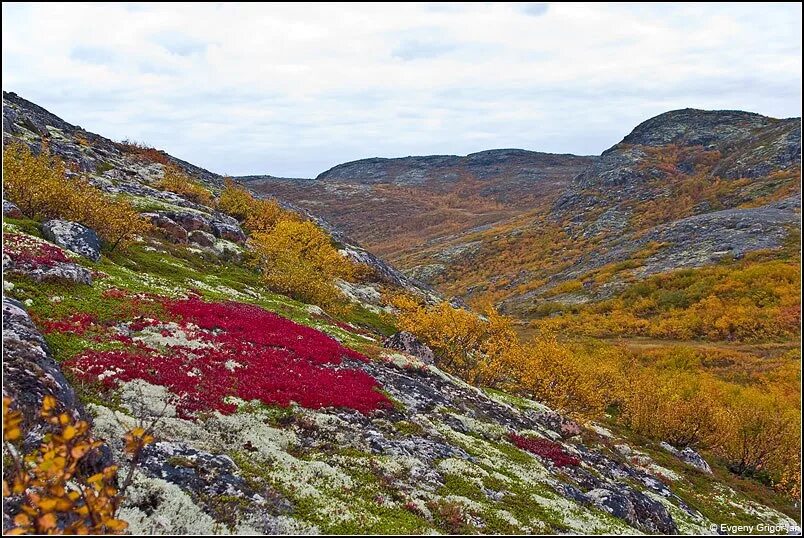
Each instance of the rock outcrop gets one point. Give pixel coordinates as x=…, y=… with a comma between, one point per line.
x=73, y=237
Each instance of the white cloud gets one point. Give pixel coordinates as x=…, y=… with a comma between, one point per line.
x=294, y=89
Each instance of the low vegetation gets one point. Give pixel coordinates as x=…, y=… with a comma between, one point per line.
x=39, y=186
x=296, y=257
x=177, y=181
x=754, y=428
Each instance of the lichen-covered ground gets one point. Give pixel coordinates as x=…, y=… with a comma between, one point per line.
x=273, y=416
x=404, y=449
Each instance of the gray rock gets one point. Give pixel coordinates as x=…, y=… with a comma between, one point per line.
x=201, y=238
x=74, y=237
x=407, y=342
x=30, y=373
x=11, y=210
x=69, y=272
x=688, y=456
x=228, y=231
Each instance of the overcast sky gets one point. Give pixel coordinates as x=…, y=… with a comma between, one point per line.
x=292, y=90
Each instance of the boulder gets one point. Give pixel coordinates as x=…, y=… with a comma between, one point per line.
x=405, y=341
x=201, y=238
x=688, y=456
x=11, y=210
x=70, y=272
x=30, y=373
x=188, y=220
x=635, y=508
x=74, y=237
x=228, y=231
x=170, y=228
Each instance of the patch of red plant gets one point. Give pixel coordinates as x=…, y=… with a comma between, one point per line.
x=546, y=449
x=248, y=352
x=27, y=251
x=78, y=323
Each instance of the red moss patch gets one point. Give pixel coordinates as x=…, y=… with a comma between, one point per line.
x=544, y=448
x=235, y=349
x=28, y=251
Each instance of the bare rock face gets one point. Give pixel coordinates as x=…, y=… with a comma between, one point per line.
x=29, y=371
x=405, y=341
x=74, y=237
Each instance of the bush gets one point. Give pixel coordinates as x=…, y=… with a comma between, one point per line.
x=256, y=215
x=177, y=181
x=49, y=490
x=37, y=184
x=298, y=259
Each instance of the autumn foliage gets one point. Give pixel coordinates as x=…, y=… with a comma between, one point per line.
x=50, y=488
x=754, y=428
x=232, y=349
x=297, y=257
x=177, y=181
x=39, y=186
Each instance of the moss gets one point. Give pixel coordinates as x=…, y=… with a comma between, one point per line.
x=24, y=225
x=457, y=485
x=406, y=427
x=363, y=317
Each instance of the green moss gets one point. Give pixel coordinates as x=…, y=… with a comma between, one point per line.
x=24, y=225
x=457, y=485
x=406, y=427
x=363, y=317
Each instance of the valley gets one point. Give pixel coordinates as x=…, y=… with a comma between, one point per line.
x=573, y=344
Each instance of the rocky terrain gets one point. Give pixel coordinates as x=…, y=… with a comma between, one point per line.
x=392, y=206
x=706, y=185
x=274, y=416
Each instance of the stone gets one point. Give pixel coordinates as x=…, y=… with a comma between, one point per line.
x=170, y=228
x=69, y=272
x=201, y=238
x=228, y=231
x=11, y=210
x=407, y=342
x=189, y=220
x=74, y=237
x=688, y=456
x=30, y=373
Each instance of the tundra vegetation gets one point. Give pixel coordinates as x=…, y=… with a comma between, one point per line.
x=275, y=335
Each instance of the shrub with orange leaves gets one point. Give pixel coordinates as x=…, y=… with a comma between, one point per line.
x=38, y=185
x=48, y=489
x=177, y=181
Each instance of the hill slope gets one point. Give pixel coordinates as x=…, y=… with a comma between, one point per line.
x=393, y=206
x=274, y=416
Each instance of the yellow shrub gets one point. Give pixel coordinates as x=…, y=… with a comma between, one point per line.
x=177, y=181
x=37, y=184
x=235, y=200
x=257, y=215
x=297, y=258
x=55, y=494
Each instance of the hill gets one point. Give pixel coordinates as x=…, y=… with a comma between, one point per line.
x=249, y=368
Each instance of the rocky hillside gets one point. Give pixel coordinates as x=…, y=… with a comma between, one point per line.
x=274, y=416
x=392, y=206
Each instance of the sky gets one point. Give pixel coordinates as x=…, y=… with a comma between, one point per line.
x=292, y=90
